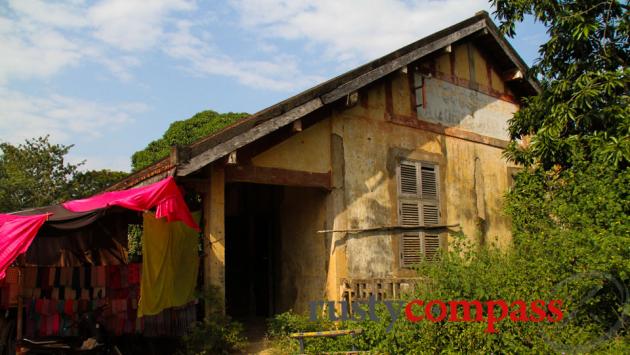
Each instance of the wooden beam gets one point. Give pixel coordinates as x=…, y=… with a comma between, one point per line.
x=179, y=154
x=454, y=132
x=510, y=52
x=297, y=126
x=352, y=99
x=275, y=176
x=401, y=61
x=198, y=185
x=222, y=149
x=232, y=158
x=512, y=75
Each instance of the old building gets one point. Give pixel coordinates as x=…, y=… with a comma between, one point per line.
x=414, y=138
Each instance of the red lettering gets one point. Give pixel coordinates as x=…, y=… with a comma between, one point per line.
x=538, y=307
x=428, y=311
x=409, y=311
x=466, y=310
x=555, y=311
x=520, y=314
x=491, y=317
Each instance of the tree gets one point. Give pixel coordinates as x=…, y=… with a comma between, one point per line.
x=87, y=183
x=35, y=174
x=569, y=205
x=583, y=111
x=182, y=133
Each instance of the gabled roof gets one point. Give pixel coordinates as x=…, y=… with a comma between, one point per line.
x=217, y=145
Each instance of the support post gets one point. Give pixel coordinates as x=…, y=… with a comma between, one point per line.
x=214, y=234
x=20, y=306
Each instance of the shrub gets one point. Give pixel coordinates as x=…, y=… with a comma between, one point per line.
x=216, y=334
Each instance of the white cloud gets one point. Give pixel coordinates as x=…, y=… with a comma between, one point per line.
x=353, y=30
x=64, y=118
x=133, y=25
x=117, y=34
x=32, y=51
x=39, y=39
x=63, y=15
x=280, y=73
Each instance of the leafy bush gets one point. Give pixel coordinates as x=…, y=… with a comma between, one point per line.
x=217, y=333
x=560, y=269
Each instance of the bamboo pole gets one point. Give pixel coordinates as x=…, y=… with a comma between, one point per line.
x=391, y=229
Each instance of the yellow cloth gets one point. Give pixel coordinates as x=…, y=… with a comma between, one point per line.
x=170, y=263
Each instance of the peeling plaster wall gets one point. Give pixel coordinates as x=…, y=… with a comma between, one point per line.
x=454, y=105
x=473, y=176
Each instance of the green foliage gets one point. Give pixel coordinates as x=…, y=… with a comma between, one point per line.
x=216, y=334
x=88, y=183
x=183, y=133
x=35, y=174
x=134, y=242
x=583, y=111
x=470, y=273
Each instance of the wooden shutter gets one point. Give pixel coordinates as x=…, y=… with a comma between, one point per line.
x=431, y=245
x=408, y=178
x=410, y=213
x=418, y=206
x=430, y=213
x=429, y=182
x=411, y=251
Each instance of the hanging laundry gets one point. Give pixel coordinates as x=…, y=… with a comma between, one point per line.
x=170, y=264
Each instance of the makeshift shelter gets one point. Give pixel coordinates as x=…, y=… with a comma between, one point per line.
x=71, y=259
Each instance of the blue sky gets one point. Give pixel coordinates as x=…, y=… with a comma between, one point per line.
x=109, y=76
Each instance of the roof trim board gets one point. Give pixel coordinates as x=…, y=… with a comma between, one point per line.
x=225, y=148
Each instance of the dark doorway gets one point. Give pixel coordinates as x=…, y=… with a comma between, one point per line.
x=251, y=249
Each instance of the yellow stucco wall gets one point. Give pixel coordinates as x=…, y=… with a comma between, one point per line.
x=474, y=176
x=308, y=150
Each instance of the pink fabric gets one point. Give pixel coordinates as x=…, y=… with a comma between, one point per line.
x=164, y=195
x=16, y=235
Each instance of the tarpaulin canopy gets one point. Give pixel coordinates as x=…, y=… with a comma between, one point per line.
x=163, y=195
x=17, y=233
x=18, y=230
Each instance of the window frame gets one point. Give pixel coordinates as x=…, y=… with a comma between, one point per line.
x=418, y=199
x=418, y=87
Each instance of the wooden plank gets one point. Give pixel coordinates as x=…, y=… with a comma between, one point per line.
x=275, y=176
x=326, y=333
x=447, y=131
x=251, y=135
x=401, y=61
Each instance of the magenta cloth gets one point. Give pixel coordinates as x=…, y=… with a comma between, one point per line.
x=16, y=235
x=164, y=195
